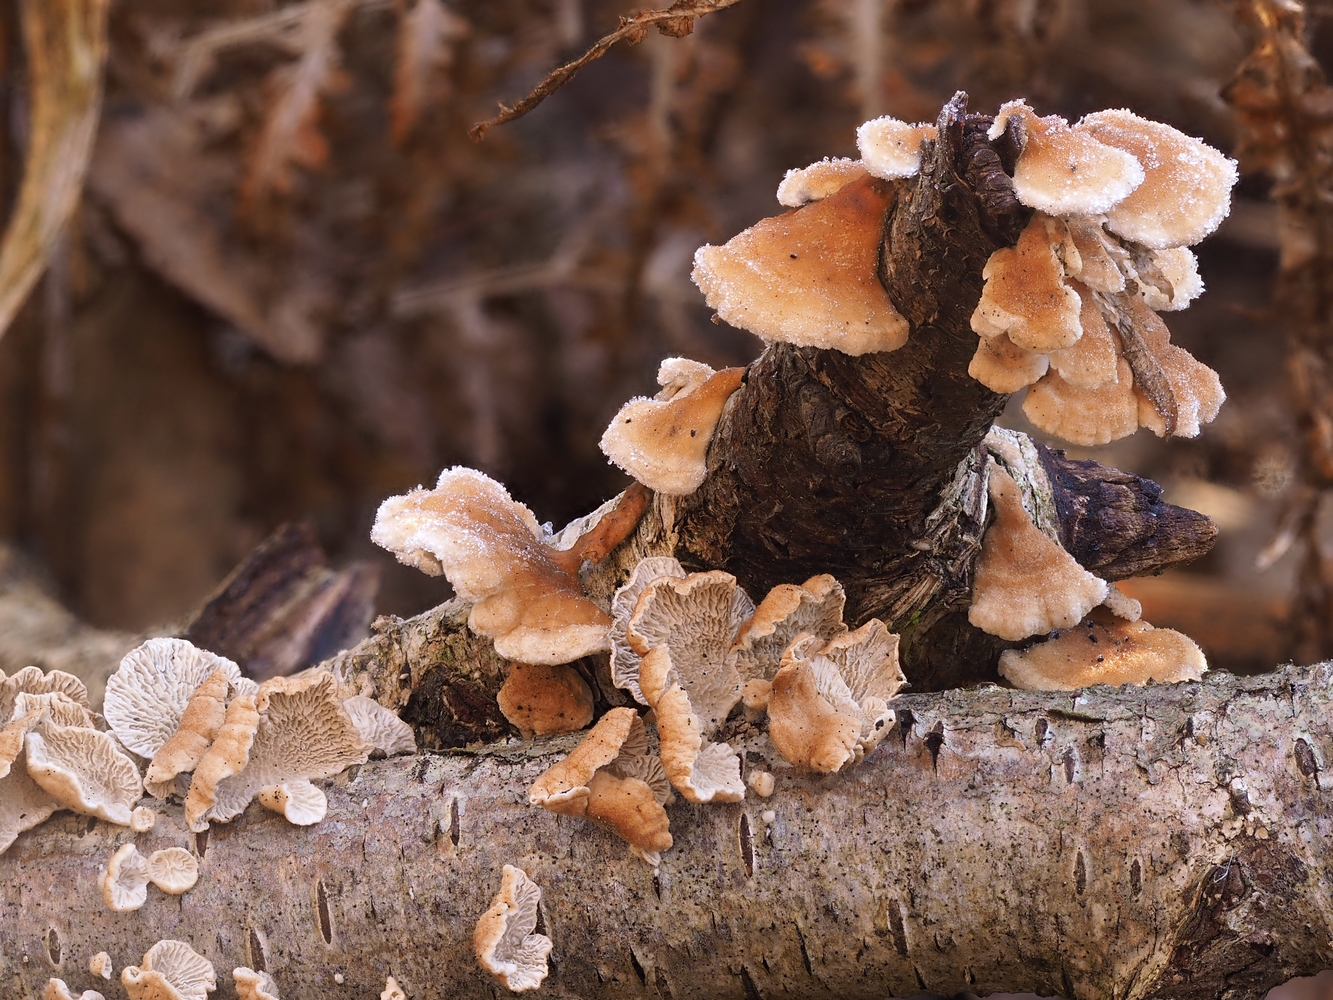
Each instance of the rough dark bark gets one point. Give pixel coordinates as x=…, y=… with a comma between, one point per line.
x=1131, y=844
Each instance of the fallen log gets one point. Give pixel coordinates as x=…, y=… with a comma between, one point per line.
x=1134, y=843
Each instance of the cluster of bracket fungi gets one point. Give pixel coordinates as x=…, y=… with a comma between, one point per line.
x=179, y=723
x=1070, y=311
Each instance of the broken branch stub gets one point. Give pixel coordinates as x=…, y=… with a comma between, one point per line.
x=869, y=467
x=65, y=43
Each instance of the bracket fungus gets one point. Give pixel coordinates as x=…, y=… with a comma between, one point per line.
x=625, y=659
x=23, y=803
x=381, y=728
x=891, y=149
x=197, y=728
x=697, y=617
x=543, y=700
x=298, y=801
x=57, y=990
x=143, y=819
x=34, y=681
x=101, y=965
x=252, y=985
x=58, y=709
x=504, y=940
x=1062, y=170
x=808, y=277
x=490, y=547
x=663, y=442
x=171, y=970
x=83, y=770
x=1104, y=650
x=1025, y=583
x=174, y=870
x=610, y=778
x=1118, y=199
x=802, y=185
x=147, y=695
x=124, y=881
x=1025, y=296
x=563, y=787
x=226, y=756
x=789, y=609
x=1186, y=191
x=300, y=731
x=700, y=770
x=829, y=704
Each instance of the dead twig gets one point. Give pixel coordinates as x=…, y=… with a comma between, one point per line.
x=675, y=21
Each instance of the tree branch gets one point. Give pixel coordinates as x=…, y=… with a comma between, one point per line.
x=1145, y=842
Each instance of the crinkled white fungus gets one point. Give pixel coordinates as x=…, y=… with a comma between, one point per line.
x=173, y=870
x=147, y=695
x=171, y=970
x=504, y=941
x=125, y=880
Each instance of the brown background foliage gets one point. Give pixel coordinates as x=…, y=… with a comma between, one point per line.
x=295, y=286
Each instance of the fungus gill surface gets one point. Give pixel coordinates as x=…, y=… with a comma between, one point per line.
x=504, y=941
x=829, y=704
x=173, y=870
x=170, y=970
x=125, y=880
x=147, y=695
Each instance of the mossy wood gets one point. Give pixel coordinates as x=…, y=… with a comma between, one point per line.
x=1138, y=843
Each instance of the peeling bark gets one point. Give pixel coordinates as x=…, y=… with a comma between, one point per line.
x=1137, y=843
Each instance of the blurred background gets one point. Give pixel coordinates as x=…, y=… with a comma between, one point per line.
x=294, y=286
